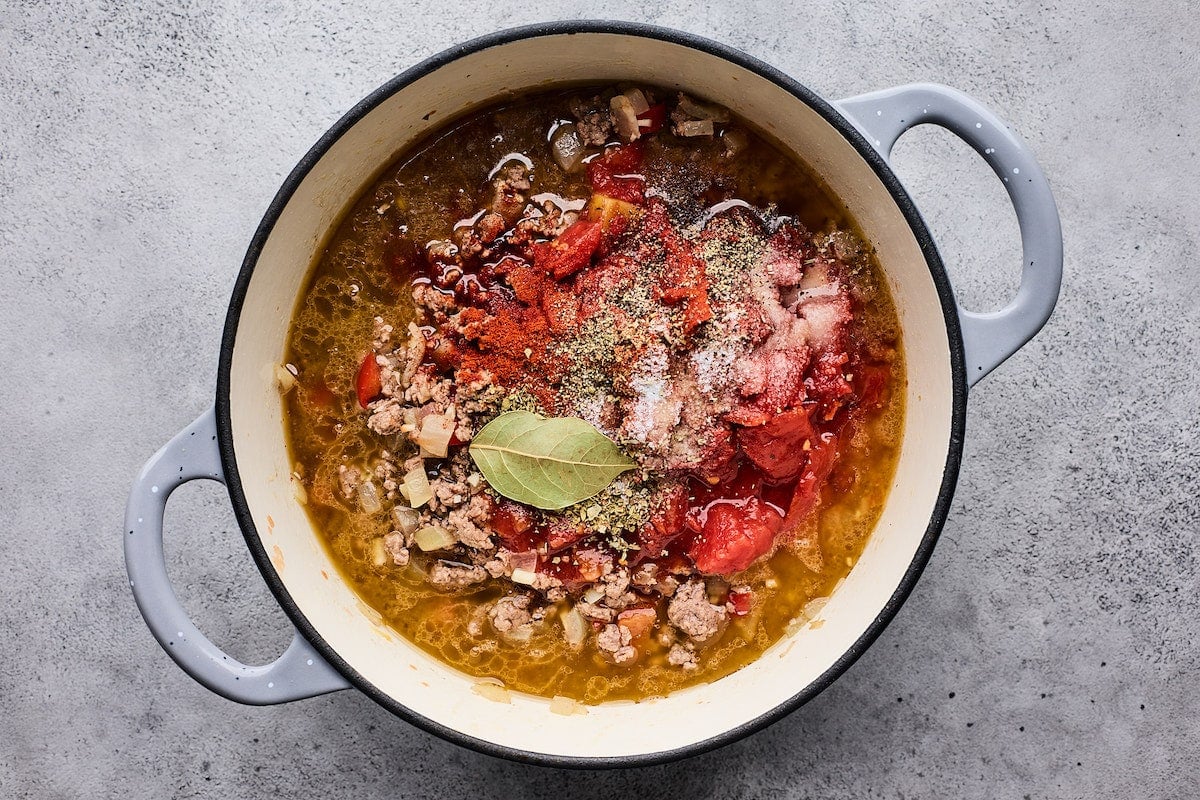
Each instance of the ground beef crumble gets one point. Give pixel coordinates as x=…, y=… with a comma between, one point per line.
x=690, y=611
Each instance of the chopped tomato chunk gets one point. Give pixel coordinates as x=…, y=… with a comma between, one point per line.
x=667, y=522
x=807, y=493
x=742, y=602
x=627, y=189
x=514, y=525
x=571, y=251
x=872, y=382
x=624, y=159
x=734, y=536
x=777, y=447
x=368, y=385
x=684, y=280
x=614, y=174
x=562, y=532
x=651, y=120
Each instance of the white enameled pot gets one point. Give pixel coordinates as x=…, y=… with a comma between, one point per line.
x=340, y=642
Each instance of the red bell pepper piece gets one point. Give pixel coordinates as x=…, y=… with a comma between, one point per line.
x=368, y=385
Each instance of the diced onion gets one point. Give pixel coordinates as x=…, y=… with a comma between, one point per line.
x=379, y=555
x=416, y=482
x=406, y=519
x=814, y=606
x=299, y=492
x=593, y=594
x=436, y=431
x=567, y=148
x=521, y=633
x=575, y=627
x=702, y=111
x=492, y=691
x=625, y=118
x=368, y=497
x=524, y=576
x=638, y=100
x=566, y=706
x=284, y=378
x=434, y=537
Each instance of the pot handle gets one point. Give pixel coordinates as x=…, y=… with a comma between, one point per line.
x=988, y=338
x=300, y=672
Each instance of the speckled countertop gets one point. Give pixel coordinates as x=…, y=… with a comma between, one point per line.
x=1050, y=649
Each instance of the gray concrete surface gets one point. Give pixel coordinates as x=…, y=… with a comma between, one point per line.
x=1048, y=652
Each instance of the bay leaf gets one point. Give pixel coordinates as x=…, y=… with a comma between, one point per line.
x=548, y=463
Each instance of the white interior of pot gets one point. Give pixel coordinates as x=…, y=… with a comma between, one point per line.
x=403, y=671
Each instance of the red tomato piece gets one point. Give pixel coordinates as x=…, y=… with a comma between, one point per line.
x=735, y=535
x=628, y=190
x=625, y=159
x=514, y=526
x=872, y=384
x=368, y=385
x=614, y=173
x=807, y=493
x=561, y=533
x=571, y=251
x=652, y=119
x=828, y=382
x=667, y=522
x=777, y=447
x=742, y=602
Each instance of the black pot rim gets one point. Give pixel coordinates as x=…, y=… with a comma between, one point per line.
x=801, y=93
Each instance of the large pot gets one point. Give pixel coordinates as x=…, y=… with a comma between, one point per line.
x=340, y=643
